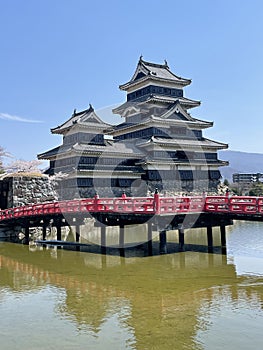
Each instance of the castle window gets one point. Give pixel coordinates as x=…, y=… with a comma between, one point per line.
x=125, y=182
x=86, y=182
x=197, y=133
x=178, y=131
x=88, y=160
x=214, y=174
x=186, y=174
x=211, y=156
x=167, y=91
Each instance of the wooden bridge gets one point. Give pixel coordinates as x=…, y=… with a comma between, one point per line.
x=247, y=207
x=160, y=213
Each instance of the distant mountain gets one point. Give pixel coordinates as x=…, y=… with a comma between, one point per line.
x=240, y=162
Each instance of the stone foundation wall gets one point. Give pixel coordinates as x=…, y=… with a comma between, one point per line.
x=167, y=187
x=23, y=190
x=89, y=192
x=189, y=187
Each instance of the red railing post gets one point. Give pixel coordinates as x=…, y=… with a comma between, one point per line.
x=96, y=198
x=123, y=203
x=156, y=202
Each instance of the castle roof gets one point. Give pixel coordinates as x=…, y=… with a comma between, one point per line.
x=159, y=122
x=111, y=148
x=177, y=112
x=187, y=103
x=87, y=118
x=175, y=115
x=185, y=143
x=50, y=153
x=156, y=72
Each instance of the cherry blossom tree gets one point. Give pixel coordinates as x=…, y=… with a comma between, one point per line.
x=3, y=153
x=24, y=166
x=57, y=177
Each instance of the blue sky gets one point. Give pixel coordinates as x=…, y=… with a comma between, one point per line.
x=64, y=54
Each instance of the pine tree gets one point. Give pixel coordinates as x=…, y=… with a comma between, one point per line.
x=257, y=189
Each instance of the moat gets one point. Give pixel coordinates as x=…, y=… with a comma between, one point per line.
x=51, y=298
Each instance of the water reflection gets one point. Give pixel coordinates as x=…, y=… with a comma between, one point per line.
x=177, y=301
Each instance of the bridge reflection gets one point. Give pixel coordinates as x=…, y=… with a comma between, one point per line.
x=165, y=293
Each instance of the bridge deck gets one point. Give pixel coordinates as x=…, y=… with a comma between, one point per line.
x=243, y=207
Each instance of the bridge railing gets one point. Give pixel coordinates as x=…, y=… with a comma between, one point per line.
x=181, y=204
x=141, y=205
x=216, y=204
x=260, y=205
x=234, y=204
x=247, y=205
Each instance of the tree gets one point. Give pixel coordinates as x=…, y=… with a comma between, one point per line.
x=257, y=189
x=57, y=178
x=24, y=166
x=236, y=190
x=3, y=153
x=226, y=182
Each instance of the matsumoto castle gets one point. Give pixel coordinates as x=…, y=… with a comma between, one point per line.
x=158, y=144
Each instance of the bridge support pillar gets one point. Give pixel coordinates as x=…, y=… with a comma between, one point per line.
x=77, y=228
x=163, y=242
x=26, y=239
x=103, y=239
x=210, y=239
x=223, y=238
x=58, y=227
x=121, y=240
x=44, y=232
x=150, y=239
x=181, y=239
x=223, y=235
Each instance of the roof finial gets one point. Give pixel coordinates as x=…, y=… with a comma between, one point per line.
x=91, y=108
x=166, y=64
x=74, y=111
x=141, y=58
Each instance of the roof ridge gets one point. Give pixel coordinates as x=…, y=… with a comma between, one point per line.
x=152, y=64
x=164, y=66
x=218, y=142
x=173, y=107
x=90, y=109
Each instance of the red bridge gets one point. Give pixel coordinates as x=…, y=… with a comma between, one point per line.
x=245, y=206
x=160, y=214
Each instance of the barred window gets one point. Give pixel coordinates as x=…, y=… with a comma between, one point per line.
x=214, y=174
x=186, y=174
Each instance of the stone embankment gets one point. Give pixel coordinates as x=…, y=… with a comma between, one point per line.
x=22, y=189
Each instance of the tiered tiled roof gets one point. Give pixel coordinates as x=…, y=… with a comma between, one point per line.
x=110, y=148
x=155, y=72
x=187, y=103
x=87, y=118
x=158, y=135
x=185, y=143
x=172, y=116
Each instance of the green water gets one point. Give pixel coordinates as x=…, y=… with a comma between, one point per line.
x=60, y=299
